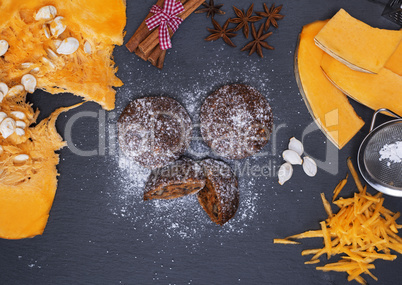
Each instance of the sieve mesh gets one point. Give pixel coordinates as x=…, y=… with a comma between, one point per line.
x=384, y=172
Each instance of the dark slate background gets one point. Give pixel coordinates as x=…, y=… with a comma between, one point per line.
x=85, y=242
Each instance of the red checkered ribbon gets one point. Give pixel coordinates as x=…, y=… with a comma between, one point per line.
x=164, y=18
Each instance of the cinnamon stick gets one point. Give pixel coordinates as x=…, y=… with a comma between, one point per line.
x=161, y=59
x=140, y=54
x=141, y=33
x=152, y=40
x=155, y=55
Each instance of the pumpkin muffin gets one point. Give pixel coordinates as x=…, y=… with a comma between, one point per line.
x=154, y=131
x=236, y=121
x=220, y=197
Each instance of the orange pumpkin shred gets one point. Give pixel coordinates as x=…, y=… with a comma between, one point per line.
x=362, y=231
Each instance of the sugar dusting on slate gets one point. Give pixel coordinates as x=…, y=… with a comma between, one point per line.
x=183, y=217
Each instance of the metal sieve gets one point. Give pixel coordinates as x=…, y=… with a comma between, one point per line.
x=382, y=175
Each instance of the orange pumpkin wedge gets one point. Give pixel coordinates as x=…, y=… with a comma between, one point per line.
x=328, y=106
x=381, y=90
x=356, y=44
x=34, y=48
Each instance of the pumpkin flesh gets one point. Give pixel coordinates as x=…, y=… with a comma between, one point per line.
x=27, y=188
x=376, y=91
x=328, y=106
x=356, y=44
x=91, y=76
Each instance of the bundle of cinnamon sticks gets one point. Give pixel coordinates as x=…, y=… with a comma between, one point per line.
x=145, y=43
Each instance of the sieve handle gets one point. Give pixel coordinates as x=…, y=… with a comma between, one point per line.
x=380, y=111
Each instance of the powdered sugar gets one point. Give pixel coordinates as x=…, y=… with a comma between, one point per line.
x=178, y=218
x=392, y=153
x=184, y=218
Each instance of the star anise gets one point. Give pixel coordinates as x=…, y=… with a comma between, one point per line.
x=272, y=15
x=221, y=32
x=243, y=19
x=211, y=9
x=259, y=41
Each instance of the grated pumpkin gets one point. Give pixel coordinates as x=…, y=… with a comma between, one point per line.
x=327, y=105
x=97, y=23
x=362, y=231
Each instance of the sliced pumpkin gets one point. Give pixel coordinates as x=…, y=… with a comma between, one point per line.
x=327, y=105
x=356, y=44
x=382, y=90
x=89, y=71
x=395, y=61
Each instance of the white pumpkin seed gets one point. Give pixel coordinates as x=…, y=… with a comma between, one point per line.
x=47, y=61
x=15, y=90
x=292, y=157
x=26, y=65
x=20, y=132
x=51, y=54
x=309, y=166
x=57, y=27
x=296, y=145
x=29, y=82
x=68, y=46
x=18, y=114
x=2, y=116
x=21, y=158
x=87, y=47
x=285, y=173
x=7, y=127
x=46, y=13
x=20, y=124
x=35, y=70
x=3, y=88
x=1, y=96
x=3, y=47
x=46, y=31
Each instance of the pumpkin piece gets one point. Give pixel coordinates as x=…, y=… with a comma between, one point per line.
x=90, y=75
x=394, y=63
x=28, y=186
x=330, y=108
x=356, y=44
x=382, y=90
x=27, y=190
